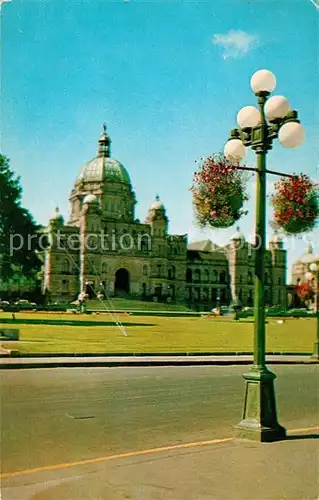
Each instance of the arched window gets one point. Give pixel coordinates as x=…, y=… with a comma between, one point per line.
x=250, y=277
x=215, y=277
x=279, y=281
x=222, y=277
x=206, y=275
x=197, y=275
x=188, y=275
x=104, y=267
x=159, y=269
x=145, y=270
x=205, y=293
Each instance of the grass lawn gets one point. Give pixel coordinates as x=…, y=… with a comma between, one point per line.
x=139, y=305
x=153, y=334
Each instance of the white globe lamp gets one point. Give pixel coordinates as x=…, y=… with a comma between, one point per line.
x=313, y=267
x=291, y=135
x=308, y=276
x=249, y=116
x=263, y=81
x=234, y=150
x=276, y=107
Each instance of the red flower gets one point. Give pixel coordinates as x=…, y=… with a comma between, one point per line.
x=295, y=202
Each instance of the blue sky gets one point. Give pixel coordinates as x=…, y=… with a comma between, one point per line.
x=168, y=79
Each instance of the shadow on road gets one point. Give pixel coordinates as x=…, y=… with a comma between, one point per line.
x=304, y=436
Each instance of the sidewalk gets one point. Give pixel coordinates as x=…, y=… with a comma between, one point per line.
x=145, y=360
x=224, y=470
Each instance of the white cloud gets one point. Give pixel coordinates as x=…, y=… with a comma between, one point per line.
x=235, y=43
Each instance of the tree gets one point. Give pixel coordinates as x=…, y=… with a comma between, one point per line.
x=18, y=230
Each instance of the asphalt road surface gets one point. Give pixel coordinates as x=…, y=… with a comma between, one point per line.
x=54, y=416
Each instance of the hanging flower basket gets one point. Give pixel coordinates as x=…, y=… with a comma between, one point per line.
x=219, y=192
x=296, y=204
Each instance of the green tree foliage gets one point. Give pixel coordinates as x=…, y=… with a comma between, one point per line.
x=15, y=220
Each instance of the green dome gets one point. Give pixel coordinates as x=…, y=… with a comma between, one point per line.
x=103, y=168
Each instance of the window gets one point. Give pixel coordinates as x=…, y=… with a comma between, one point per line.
x=250, y=298
x=65, y=266
x=188, y=275
x=215, y=277
x=197, y=275
x=65, y=286
x=279, y=281
x=266, y=297
x=145, y=270
x=104, y=267
x=206, y=275
x=171, y=291
x=205, y=293
x=144, y=245
x=171, y=273
x=159, y=269
x=250, y=278
x=222, y=277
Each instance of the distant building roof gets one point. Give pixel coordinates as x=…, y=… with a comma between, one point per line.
x=204, y=246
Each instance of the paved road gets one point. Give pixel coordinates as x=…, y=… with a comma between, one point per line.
x=55, y=416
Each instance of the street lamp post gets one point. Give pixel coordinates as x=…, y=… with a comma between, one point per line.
x=314, y=272
x=258, y=128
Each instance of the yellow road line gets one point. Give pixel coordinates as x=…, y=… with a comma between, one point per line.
x=305, y=429
x=114, y=457
x=133, y=454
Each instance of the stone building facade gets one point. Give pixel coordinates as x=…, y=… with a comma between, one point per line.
x=103, y=249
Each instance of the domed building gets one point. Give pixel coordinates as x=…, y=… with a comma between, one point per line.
x=103, y=250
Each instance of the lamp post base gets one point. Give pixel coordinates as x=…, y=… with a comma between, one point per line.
x=260, y=416
x=315, y=354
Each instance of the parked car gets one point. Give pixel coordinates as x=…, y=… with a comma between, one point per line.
x=4, y=303
x=24, y=302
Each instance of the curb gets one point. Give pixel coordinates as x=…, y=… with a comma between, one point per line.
x=17, y=354
x=146, y=363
